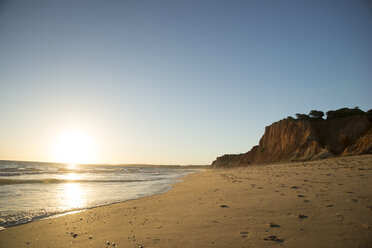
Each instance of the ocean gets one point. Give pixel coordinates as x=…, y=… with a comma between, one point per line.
x=34, y=190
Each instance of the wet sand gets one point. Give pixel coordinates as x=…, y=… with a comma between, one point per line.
x=326, y=203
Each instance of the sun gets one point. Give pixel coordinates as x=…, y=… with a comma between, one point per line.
x=74, y=147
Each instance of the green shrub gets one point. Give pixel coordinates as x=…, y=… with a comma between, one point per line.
x=302, y=116
x=344, y=112
x=316, y=114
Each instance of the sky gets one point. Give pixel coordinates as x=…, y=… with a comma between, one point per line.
x=173, y=82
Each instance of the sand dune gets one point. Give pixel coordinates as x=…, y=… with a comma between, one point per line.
x=326, y=203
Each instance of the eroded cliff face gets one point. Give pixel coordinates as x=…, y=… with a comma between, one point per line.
x=298, y=140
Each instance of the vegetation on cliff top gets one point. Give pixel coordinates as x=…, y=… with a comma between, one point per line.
x=331, y=114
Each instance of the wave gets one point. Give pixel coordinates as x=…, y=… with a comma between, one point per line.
x=53, y=180
x=62, y=170
x=18, y=218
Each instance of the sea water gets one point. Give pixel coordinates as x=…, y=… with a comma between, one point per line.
x=35, y=190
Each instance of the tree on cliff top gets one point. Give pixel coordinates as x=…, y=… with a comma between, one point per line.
x=302, y=116
x=344, y=112
x=316, y=114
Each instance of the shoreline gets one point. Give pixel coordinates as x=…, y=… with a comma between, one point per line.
x=324, y=203
x=73, y=211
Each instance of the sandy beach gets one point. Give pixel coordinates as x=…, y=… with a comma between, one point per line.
x=325, y=203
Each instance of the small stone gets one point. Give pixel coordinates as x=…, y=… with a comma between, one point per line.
x=90, y=237
x=224, y=206
x=107, y=242
x=302, y=216
x=301, y=196
x=294, y=187
x=274, y=238
x=272, y=225
x=74, y=235
x=113, y=244
x=329, y=206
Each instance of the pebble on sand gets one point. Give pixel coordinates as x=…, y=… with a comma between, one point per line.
x=274, y=238
x=302, y=216
x=272, y=225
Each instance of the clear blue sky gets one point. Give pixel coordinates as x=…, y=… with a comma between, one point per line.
x=174, y=81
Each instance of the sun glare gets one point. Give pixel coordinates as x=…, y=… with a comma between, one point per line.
x=74, y=147
x=73, y=196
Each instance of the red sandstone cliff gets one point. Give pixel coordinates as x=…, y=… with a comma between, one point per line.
x=296, y=140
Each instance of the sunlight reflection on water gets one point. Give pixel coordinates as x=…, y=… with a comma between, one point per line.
x=71, y=166
x=37, y=190
x=72, y=176
x=73, y=196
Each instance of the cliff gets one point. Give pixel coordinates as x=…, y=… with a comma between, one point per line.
x=300, y=140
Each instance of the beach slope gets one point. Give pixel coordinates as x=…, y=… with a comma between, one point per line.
x=325, y=203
